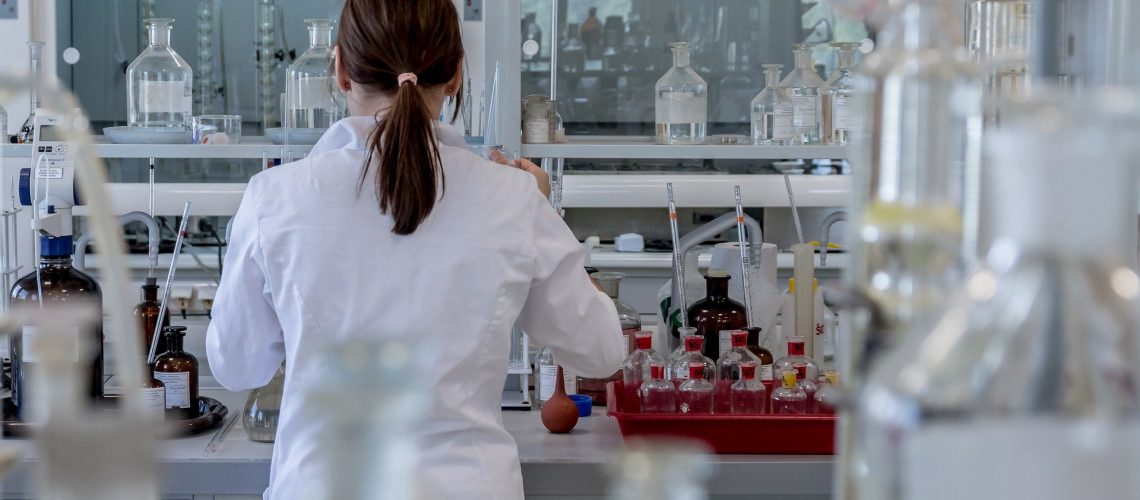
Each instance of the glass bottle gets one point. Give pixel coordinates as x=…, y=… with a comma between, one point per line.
x=630, y=322
x=808, y=385
x=680, y=368
x=263, y=408
x=716, y=312
x=311, y=96
x=35, y=59
x=767, y=361
x=728, y=369
x=772, y=111
x=178, y=371
x=840, y=116
x=60, y=283
x=747, y=396
x=1033, y=358
x=789, y=398
x=681, y=101
x=635, y=368
x=827, y=397
x=679, y=351
x=656, y=394
x=803, y=86
x=796, y=356
x=154, y=396
x=546, y=369
x=146, y=312
x=160, y=84
x=695, y=395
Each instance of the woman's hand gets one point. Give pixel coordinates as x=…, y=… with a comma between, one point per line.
x=528, y=167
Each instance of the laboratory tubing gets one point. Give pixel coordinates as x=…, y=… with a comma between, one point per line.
x=716, y=312
x=772, y=111
x=788, y=398
x=695, y=395
x=808, y=386
x=747, y=396
x=680, y=369
x=630, y=321
x=35, y=60
x=681, y=101
x=312, y=99
x=160, y=84
x=263, y=409
x=656, y=394
x=178, y=371
x=635, y=368
x=796, y=356
x=840, y=116
x=803, y=86
x=146, y=313
x=827, y=397
x=728, y=368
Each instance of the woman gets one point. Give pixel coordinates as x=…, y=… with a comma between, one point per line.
x=392, y=228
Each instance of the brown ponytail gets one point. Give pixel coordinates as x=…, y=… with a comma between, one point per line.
x=378, y=40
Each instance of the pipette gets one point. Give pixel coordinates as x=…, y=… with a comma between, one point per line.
x=743, y=257
x=678, y=259
x=795, y=211
x=169, y=281
x=220, y=436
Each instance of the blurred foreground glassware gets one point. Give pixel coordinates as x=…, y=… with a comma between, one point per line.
x=661, y=469
x=35, y=60
x=312, y=99
x=263, y=408
x=1035, y=360
x=1000, y=36
x=681, y=101
x=840, y=115
x=160, y=84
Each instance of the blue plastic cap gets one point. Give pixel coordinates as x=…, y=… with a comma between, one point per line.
x=26, y=187
x=55, y=246
x=584, y=403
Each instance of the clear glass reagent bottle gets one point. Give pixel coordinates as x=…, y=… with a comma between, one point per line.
x=772, y=111
x=312, y=99
x=681, y=101
x=160, y=84
x=803, y=86
x=840, y=117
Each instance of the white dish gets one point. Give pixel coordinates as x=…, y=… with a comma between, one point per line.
x=148, y=135
x=297, y=136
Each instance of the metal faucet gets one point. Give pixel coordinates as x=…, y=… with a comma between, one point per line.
x=152, y=240
x=825, y=234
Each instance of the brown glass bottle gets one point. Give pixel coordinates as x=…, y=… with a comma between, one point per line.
x=60, y=283
x=146, y=313
x=765, y=372
x=716, y=312
x=178, y=371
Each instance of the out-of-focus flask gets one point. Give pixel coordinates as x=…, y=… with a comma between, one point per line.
x=796, y=356
x=635, y=368
x=803, y=86
x=728, y=369
x=160, y=84
x=178, y=371
x=546, y=367
x=657, y=394
x=311, y=97
x=630, y=322
x=747, y=396
x=840, y=115
x=716, y=312
x=827, y=397
x=695, y=395
x=1000, y=36
x=146, y=312
x=263, y=408
x=789, y=398
x=772, y=111
x=1033, y=361
x=661, y=468
x=682, y=101
x=679, y=369
x=35, y=60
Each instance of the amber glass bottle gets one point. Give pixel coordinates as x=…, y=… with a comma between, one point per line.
x=178, y=371
x=716, y=312
x=146, y=313
x=60, y=283
x=766, y=359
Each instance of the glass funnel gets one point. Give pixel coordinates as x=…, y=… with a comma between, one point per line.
x=1034, y=361
x=681, y=101
x=803, y=86
x=35, y=60
x=840, y=116
x=772, y=111
x=263, y=408
x=159, y=82
x=312, y=100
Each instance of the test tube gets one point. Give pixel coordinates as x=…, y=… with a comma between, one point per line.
x=678, y=259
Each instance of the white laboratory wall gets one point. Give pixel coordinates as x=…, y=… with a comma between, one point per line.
x=474, y=44
x=35, y=21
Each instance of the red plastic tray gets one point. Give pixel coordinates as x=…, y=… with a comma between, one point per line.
x=751, y=434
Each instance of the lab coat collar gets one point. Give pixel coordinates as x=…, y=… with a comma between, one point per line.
x=352, y=133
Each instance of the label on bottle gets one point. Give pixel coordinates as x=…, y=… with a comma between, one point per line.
x=164, y=97
x=782, y=122
x=537, y=132
x=547, y=378
x=1038, y=458
x=33, y=343
x=766, y=372
x=725, y=341
x=842, y=113
x=805, y=111
x=177, y=388
x=155, y=400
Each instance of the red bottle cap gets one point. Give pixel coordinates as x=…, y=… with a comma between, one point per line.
x=644, y=340
x=748, y=370
x=795, y=346
x=694, y=343
x=657, y=371
x=739, y=338
x=801, y=371
x=696, y=370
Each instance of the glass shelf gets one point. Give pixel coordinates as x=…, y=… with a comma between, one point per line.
x=642, y=147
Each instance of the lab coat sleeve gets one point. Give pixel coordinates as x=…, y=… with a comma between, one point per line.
x=564, y=310
x=244, y=342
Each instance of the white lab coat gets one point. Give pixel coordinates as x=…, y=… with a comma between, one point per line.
x=311, y=262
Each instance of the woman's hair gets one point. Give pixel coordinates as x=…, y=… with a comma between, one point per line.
x=379, y=40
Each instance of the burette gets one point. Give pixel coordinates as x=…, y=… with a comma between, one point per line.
x=169, y=280
x=678, y=259
x=743, y=256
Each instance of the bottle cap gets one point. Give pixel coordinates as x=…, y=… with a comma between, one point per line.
x=739, y=338
x=748, y=370
x=696, y=370
x=152, y=281
x=789, y=378
x=56, y=246
x=694, y=343
x=657, y=371
x=795, y=346
x=801, y=371
x=717, y=273
x=171, y=331
x=644, y=340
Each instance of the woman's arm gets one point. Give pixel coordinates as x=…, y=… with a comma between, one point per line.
x=244, y=342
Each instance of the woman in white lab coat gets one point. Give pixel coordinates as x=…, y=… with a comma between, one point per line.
x=392, y=228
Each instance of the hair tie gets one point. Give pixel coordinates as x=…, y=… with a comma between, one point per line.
x=406, y=77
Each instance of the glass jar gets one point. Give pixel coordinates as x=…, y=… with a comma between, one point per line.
x=630, y=321
x=160, y=84
x=803, y=86
x=681, y=102
x=312, y=99
x=538, y=120
x=840, y=116
x=772, y=111
x=263, y=408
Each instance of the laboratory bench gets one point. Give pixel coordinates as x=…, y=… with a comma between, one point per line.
x=554, y=466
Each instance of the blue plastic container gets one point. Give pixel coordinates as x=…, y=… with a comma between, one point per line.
x=585, y=404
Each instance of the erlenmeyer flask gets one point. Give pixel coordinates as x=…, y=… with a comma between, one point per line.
x=262, y=409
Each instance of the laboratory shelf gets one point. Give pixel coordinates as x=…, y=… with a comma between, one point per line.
x=703, y=190
x=251, y=147
x=642, y=147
